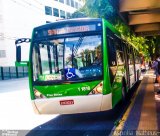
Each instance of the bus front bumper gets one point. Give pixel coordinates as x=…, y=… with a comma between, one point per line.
x=73, y=104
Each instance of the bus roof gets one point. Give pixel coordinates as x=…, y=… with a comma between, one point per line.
x=70, y=21
x=77, y=21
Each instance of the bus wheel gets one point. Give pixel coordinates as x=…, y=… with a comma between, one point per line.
x=124, y=93
x=138, y=75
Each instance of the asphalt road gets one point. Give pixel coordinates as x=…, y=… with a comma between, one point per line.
x=17, y=114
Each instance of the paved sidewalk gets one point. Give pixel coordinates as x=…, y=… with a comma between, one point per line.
x=143, y=115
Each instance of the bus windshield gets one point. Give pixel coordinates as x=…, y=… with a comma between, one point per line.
x=67, y=59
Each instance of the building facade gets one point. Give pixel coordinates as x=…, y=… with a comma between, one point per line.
x=19, y=17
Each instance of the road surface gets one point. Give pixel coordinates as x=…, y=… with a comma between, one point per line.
x=17, y=114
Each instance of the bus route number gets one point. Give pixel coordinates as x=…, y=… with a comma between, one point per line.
x=84, y=88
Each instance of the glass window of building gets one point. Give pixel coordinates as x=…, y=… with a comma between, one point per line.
x=68, y=2
x=68, y=15
x=72, y=3
x=62, y=14
x=62, y=1
x=55, y=12
x=76, y=5
x=2, y=53
x=79, y=5
x=48, y=10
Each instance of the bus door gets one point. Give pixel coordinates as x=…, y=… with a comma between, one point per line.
x=116, y=66
x=131, y=66
x=135, y=71
x=127, y=77
x=137, y=65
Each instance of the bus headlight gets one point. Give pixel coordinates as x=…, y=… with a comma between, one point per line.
x=38, y=95
x=98, y=89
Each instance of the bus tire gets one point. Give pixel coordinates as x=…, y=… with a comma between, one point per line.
x=124, y=92
x=138, y=75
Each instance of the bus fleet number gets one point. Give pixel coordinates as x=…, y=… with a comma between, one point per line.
x=85, y=88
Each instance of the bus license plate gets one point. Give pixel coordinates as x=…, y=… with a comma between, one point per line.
x=67, y=102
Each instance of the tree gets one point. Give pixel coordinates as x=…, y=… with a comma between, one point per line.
x=153, y=44
x=108, y=9
x=98, y=8
x=78, y=14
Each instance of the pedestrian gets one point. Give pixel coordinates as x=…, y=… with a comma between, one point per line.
x=150, y=64
x=156, y=67
x=143, y=66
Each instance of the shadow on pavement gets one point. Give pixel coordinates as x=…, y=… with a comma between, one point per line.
x=84, y=124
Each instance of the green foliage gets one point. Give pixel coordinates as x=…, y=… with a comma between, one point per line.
x=138, y=42
x=78, y=14
x=149, y=47
x=153, y=44
x=98, y=8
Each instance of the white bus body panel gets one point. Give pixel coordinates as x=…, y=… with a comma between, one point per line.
x=106, y=102
x=82, y=104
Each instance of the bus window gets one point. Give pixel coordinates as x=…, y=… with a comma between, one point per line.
x=137, y=59
x=130, y=56
x=58, y=58
x=119, y=51
x=120, y=58
x=131, y=59
x=36, y=65
x=112, y=59
x=112, y=53
x=44, y=59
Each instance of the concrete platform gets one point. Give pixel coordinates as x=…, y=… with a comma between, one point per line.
x=143, y=115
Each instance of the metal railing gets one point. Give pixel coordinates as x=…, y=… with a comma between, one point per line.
x=13, y=72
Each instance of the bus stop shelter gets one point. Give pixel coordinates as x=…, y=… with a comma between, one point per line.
x=143, y=16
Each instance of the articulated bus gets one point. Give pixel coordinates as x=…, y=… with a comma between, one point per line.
x=78, y=66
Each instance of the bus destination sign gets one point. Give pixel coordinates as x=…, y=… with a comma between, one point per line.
x=71, y=29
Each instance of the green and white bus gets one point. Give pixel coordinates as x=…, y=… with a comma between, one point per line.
x=78, y=65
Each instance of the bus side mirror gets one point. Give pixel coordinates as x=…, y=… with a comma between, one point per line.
x=18, y=53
